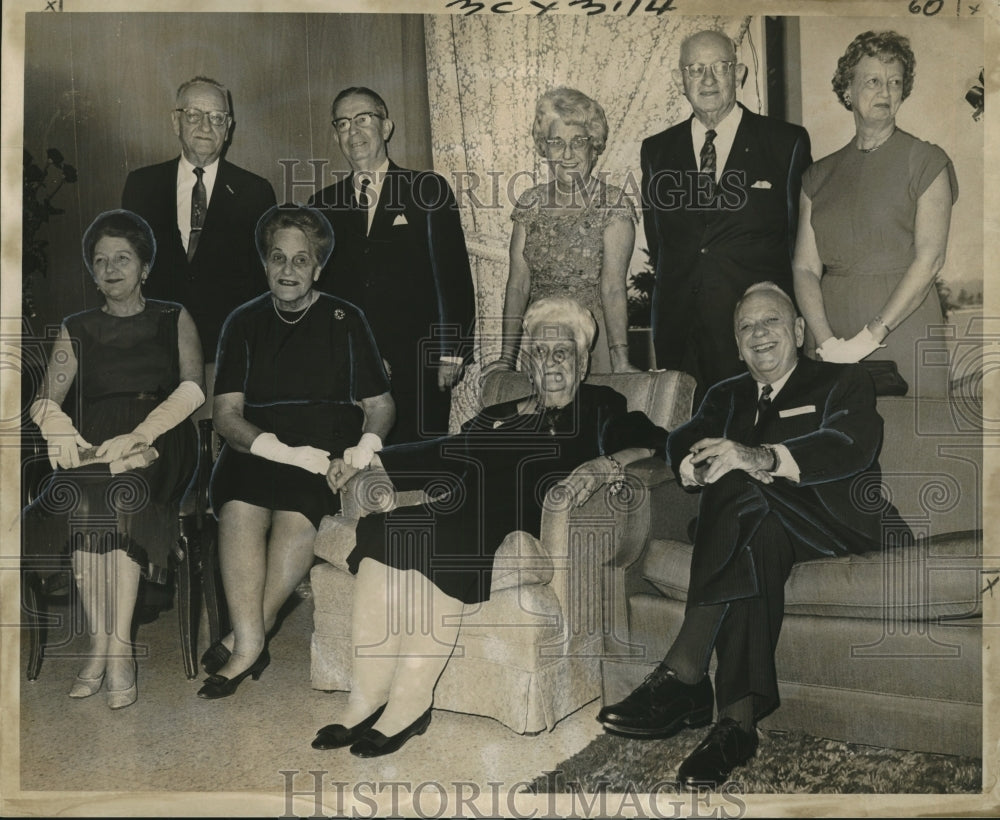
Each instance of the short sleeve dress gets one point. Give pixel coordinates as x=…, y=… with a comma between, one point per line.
x=301, y=375
x=863, y=214
x=564, y=249
x=498, y=471
x=127, y=365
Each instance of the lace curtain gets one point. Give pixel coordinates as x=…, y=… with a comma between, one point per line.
x=484, y=76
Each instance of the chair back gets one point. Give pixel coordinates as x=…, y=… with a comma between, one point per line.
x=665, y=396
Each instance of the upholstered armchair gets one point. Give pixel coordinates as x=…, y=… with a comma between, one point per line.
x=531, y=654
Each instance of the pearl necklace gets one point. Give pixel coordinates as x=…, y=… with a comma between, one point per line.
x=302, y=316
x=879, y=144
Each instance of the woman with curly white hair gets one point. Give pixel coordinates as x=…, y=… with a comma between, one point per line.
x=573, y=235
x=488, y=483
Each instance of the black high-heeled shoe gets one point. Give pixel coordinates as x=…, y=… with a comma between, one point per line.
x=374, y=744
x=336, y=735
x=215, y=657
x=217, y=686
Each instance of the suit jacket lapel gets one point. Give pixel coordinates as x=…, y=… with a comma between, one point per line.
x=742, y=142
x=391, y=192
x=222, y=195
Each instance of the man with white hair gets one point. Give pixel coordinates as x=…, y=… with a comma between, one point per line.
x=720, y=195
x=779, y=454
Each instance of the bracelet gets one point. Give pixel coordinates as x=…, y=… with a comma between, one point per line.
x=618, y=482
x=775, y=458
x=878, y=320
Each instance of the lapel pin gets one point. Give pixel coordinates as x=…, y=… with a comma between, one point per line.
x=231, y=190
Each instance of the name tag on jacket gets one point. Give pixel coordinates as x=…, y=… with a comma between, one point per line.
x=797, y=411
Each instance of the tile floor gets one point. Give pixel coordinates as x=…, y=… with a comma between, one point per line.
x=170, y=741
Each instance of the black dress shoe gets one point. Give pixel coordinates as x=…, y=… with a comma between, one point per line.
x=336, y=735
x=660, y=707
x=726, y=747
x=215, y=657
x=374, y=744
x=217, y=686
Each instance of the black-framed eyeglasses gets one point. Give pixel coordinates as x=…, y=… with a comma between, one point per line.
x=195, y=116
x=557, y=145
x=720, y=68
x=361, y=120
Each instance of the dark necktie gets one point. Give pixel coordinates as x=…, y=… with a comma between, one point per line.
x=763, y=403
x=708, y=157
x=364, y=197
x=199, y=205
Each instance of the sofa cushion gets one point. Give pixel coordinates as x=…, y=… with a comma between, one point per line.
x=936, y=578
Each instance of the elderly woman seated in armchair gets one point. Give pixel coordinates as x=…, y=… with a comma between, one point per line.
x=483, y=484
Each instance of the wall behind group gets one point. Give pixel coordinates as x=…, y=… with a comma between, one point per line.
x=100, y=87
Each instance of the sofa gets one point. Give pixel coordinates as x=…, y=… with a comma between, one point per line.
x=882, y=648
x=531, y=654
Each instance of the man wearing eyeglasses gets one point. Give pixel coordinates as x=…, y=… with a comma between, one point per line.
x=203, y=211
x=400, y=256
x=720, y=207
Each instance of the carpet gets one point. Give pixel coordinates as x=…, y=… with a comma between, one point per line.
x=786, y=763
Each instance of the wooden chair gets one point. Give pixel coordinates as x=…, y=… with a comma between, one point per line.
x=194, y=559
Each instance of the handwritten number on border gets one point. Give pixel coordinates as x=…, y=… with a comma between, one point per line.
x=928, y=8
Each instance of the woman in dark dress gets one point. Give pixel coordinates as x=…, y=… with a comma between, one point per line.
x=137, y=364
x=486, y=482
x=298, y=379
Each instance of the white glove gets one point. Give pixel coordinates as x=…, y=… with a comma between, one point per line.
x=361, y=454
x=310, y=459
x=63, y=439
x=114, y=448
x=860, y=345
x=186, y=398
x=830, y=349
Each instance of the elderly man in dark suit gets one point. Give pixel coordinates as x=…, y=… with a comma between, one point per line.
x=720, y=198
x=783, y=456
x=203, y=211
x=401, y=257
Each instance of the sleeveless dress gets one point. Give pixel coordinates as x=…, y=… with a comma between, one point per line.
x=863, y=212
x=301, y=377
x=126, y=366
x=498, y=471
x=565, y=251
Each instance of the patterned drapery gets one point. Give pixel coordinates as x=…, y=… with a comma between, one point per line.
x=484, y=76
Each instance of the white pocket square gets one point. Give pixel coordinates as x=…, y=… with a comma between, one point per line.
x=797, y=411
x=400, y=220
x=761, y=183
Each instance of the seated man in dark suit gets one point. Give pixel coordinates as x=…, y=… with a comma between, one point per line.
x=203, y=211
x=783, y=456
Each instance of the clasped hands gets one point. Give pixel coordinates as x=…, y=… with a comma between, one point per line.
x=849, y=351
x=712, y=458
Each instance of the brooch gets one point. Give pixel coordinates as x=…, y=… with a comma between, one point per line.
x=338, y=313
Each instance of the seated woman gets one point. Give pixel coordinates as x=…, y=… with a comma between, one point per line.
x=499, y=471
x=574, y=235
x=298, y=378
x=137, y=366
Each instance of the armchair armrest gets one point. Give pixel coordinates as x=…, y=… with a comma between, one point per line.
x=592, y=545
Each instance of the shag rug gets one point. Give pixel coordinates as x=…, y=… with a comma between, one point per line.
x=786, y=763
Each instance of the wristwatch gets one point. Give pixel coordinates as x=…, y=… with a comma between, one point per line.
x=775, y=458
